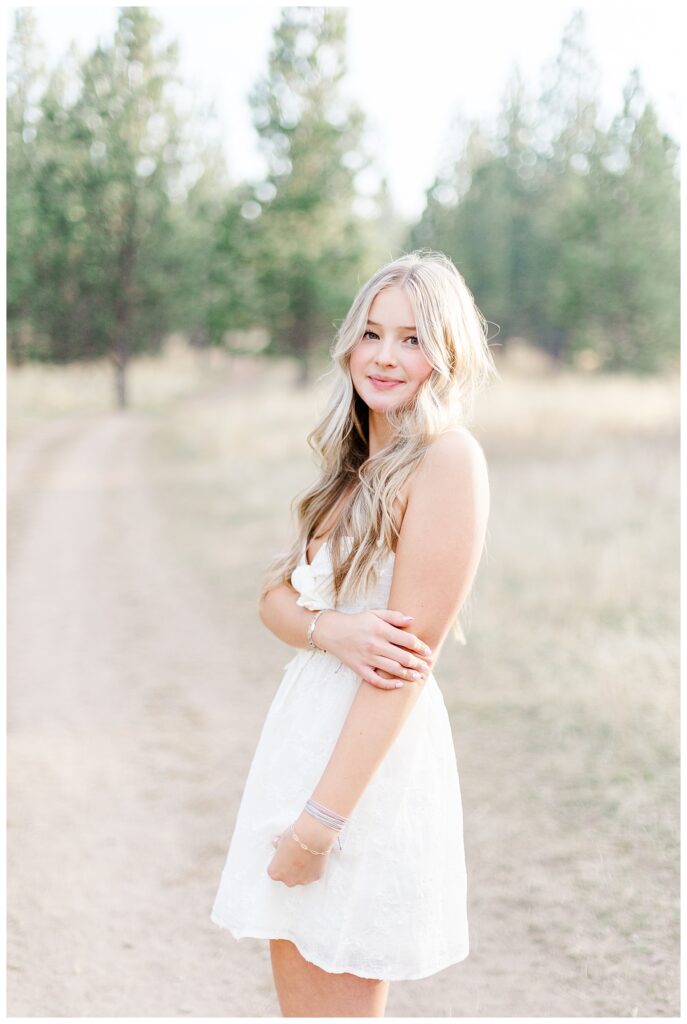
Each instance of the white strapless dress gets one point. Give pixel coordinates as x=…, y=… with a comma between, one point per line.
x=392, y=901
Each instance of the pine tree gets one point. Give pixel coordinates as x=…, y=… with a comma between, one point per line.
x=132, y=140
x=306, y=234
x=25, y=81
x=105, y=161
x=630, y=242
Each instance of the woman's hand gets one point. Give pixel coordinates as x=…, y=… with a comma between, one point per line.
x=293, y=865
x=375, y=644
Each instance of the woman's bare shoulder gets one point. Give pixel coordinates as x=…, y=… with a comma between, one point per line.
x=458, y=442
x=454, y=451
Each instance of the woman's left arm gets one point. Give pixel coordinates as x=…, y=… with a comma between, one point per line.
x=438, y=552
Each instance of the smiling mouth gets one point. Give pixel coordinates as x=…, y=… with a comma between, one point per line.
x=386, y=380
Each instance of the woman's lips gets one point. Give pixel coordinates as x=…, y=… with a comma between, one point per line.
x=384, y=385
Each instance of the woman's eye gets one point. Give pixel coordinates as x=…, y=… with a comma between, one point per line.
x=411, y=337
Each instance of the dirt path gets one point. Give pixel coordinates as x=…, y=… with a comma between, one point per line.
x=135, y=701
x=131, y=724
x=122, y=688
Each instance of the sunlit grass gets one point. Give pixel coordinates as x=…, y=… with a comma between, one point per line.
x=38, y=391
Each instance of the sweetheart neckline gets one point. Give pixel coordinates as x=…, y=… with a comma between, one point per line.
x=323, y=545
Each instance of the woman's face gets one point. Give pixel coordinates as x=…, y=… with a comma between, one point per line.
x=387, y=365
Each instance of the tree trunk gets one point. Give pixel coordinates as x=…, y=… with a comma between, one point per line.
x=120, y=360
x=558, y=344
x=303, y=377
x=120, y=386
x=303, y=341
x=125, y=267
x=15, y=352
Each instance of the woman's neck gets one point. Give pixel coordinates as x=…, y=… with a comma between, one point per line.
x=380, y=433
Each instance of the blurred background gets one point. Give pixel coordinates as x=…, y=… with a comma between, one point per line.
x=194, y=197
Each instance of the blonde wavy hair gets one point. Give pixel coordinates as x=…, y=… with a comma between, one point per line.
x=452, y=334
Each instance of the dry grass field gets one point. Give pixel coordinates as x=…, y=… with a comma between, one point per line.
x=140, y=674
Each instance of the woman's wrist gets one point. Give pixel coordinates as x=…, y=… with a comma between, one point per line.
x=324, y=631
x=314, y=833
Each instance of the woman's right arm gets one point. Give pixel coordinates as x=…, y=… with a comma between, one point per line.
x=375, y=644
x=283, y=617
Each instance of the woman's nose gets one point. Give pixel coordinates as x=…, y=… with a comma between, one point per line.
x=386, y=354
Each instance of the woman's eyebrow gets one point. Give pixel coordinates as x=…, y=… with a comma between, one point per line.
x=413, y=328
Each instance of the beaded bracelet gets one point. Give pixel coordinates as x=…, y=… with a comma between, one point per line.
x=332, y=819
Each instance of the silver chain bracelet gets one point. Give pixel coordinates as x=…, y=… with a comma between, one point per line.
x=311, y=642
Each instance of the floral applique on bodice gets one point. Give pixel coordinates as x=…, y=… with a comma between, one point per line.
x=314, y=583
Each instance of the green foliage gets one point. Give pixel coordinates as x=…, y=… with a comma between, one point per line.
x=123, y=223
x=24, y=74
x=623, y=243
x=566, y=233
x=306, y=236
x=92, y=225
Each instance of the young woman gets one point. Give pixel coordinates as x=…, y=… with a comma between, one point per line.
x=347, y=852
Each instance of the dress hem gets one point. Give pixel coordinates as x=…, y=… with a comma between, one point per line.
x=259, y=933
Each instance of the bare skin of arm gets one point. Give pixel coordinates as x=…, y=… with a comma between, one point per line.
x=347, y=636
x=437, y=557
x=283, y=617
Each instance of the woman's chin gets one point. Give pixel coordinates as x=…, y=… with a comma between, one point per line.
x=383, y=405
x=384, y=399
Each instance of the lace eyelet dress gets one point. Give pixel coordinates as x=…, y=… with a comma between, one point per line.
x=391, y=903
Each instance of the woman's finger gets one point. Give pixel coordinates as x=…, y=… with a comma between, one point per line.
x=401, y=659
x=370, y=676
x=398, y=670
x=394, y=631
x=406, y=640
x=395, y=618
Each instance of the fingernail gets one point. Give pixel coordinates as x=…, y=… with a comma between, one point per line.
x=398, y=684
x=409, y=618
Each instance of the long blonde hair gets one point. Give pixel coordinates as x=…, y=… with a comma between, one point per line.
x=451, y=332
